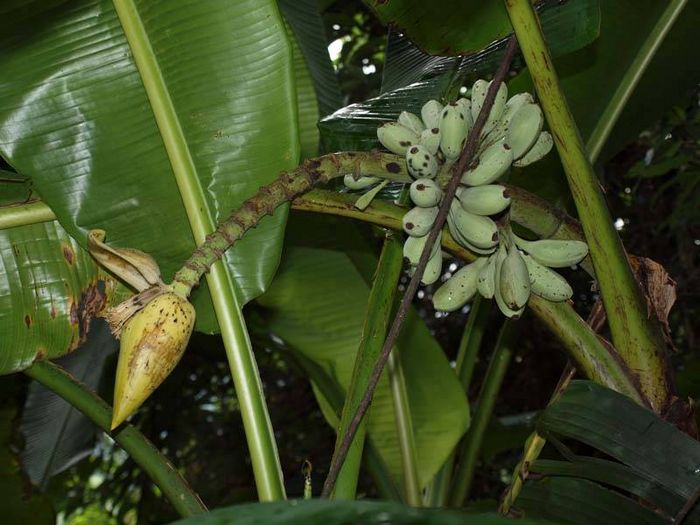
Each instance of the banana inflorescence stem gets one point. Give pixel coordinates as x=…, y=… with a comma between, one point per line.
x=287, y=186
x=466, y=157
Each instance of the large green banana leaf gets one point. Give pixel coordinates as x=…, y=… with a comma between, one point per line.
x=50, y=289
x=317, y=304
x=74, y=116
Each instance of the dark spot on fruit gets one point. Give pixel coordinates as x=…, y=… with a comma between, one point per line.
x=28, y=320
x=393, y=167
x=420, y=187
x=506, y=146
x=494, y=237
x=414, y=150
x=435, y=130
x=68, y=254
x=409, y=226
x=427, y=157
x=405, y=143
x=40, y=354
x=461, y=116
x=425, y=164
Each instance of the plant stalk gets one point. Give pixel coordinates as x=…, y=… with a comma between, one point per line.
x=465, y=159
x=469, y=346
x=244, y=371
x=471, y=445
x=379, y=307
x=404, y=428
x=139, y=448
x=631, y=78
x=637, y=338
x=533, y=447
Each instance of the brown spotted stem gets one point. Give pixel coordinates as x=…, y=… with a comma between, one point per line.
x=285, y=188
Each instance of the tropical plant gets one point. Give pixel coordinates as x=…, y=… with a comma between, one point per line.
x=151, y=144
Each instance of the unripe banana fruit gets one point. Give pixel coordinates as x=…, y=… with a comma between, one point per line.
x=542, y=146
x=501, y=128
x=506, y=310
x=430, y=113
x=554, y=253
x=524, y=129
x=514, y=280
x=454, y=128
x=411, y=121
x=433, y=269
x=547, y=283
x=396, y=137
x=486, y=282
x=418, y=221
x=460, y=288
x=492, y=164
x=425, y=193
x=413, y=248
x=478, y=94
x=499, y=104
x=421, y=163
x=151, y=343
x=480, y=231
x=360, y=183
x=484, y=200
x=430, y=140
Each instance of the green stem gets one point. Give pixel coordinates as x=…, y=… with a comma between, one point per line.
x=23, y=214
x=637, y=338
x=379, y=307
x=471, y=340
x=139, y=448
x=283, y=189
x=631, y=78
x=471, y=445
x=533, y=447
x=466, y=360
x=404, y=429
x=256, y=420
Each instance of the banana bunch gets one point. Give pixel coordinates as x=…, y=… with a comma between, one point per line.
x=417, y=222
x=508, y=268
x=512, y=272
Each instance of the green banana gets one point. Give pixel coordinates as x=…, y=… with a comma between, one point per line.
x=554, y=253
x=417, y=222
x=478, y=94
x=411, y=121
x=421, y=163
x=539, y=149
x=514, y=282
x=433, y=269
x=430, y=113
x=489, y=199
x=396, y=137
x=480, y=231
x=524, y=129
x=360, y=183
x=547, y=283
x=506, y=310
x=501, y=128
x=425, y=193
x=413, y=248
x=499, y=105
x=486, y=282
x=430, y=140
x=460, y=288
x=492, y=164
x=454, y=127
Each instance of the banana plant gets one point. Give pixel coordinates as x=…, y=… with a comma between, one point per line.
x=156, y=149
